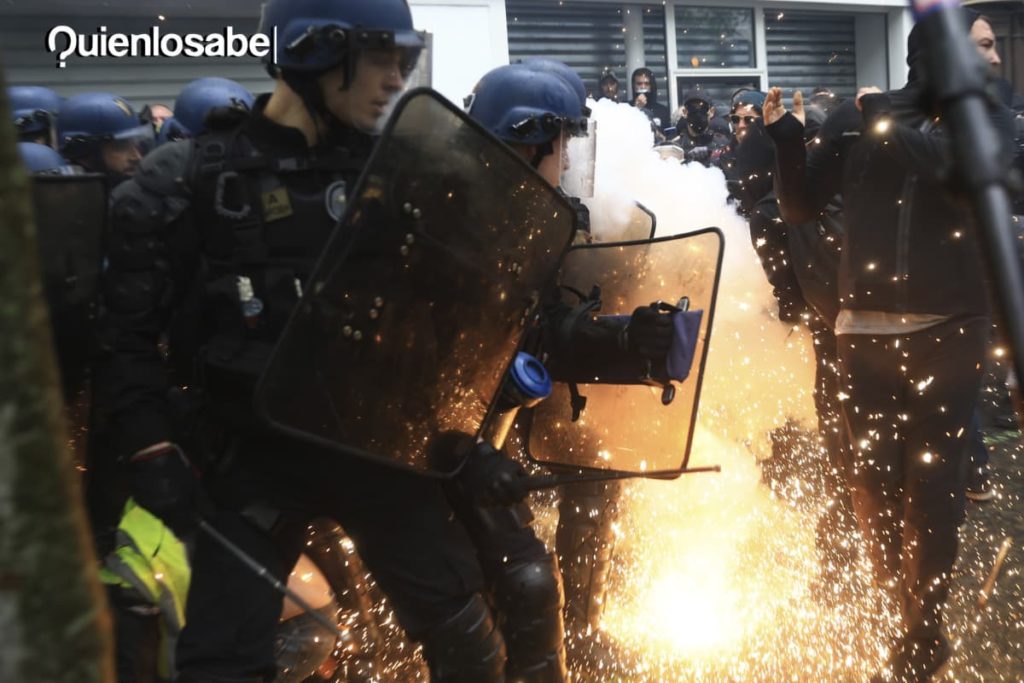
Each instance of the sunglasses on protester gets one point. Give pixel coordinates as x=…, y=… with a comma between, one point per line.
x=749, y=120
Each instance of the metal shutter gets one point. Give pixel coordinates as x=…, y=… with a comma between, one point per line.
x=586, y=36
x=811, y=49
x=714, y=37
x=138, y=80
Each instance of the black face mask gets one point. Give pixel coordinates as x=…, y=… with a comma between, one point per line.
x=697, y=119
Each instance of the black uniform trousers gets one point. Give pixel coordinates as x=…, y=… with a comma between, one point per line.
x=401, y=523
x=908, y=414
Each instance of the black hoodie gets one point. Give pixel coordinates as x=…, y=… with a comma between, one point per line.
x=909, y=245
x=657, y=112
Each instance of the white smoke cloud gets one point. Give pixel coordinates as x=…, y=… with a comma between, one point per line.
x=760, y=371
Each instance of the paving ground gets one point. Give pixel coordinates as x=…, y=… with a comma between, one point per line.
x=990, y=641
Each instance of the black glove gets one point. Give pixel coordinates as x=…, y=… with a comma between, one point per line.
x=492, y=478
x=166, y=484
x=699, y=154
x=649, y=333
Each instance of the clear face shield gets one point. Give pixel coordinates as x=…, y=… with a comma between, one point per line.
x=125, y=149
x=579, y=161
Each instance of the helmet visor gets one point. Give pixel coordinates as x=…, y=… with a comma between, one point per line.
x=578, y=178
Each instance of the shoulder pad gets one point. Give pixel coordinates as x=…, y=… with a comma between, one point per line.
x=165, y=170
x=225, y=118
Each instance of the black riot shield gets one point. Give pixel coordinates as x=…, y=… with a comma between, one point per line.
x=70, y=215
x=412, y=316
x=632, y=427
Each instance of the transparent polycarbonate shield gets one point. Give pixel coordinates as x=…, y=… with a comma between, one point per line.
x=641, y=224
x=71, y=215
x=416, y=309
x=629, y=428
x=581, y=153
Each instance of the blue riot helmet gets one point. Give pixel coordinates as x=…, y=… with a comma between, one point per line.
x=317, y=36
x=528, y=107
x=171, y=131
x=563, y=71
x=197, y=99
x=524, y=106
x=101, y=132
x=42, y=159
x=578, y=180
x=34, y=110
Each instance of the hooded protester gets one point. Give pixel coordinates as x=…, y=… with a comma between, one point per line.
x=696, y=136
x=645, y=97
x=912, y=331
x=745, y=112
x=609, y=88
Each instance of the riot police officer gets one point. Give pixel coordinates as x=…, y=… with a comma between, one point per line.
x=584, y=540
x=536, y=108
x=102, y=133
x=212, y=242
x=34, y=109
x=197, y=101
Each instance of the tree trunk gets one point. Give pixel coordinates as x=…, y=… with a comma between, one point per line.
x=54, y=624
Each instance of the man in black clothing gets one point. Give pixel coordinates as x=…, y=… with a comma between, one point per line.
x=911, y=330
x=645, y=98
x=696, y=136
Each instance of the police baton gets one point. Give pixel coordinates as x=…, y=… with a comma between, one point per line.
x=549, y=481
x=267, y=576
x=956, y=77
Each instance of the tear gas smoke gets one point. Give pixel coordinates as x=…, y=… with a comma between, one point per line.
x=760, y=371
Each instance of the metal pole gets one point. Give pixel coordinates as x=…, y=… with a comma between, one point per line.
x=266, y=575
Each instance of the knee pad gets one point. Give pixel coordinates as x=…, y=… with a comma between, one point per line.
x=529, y=599
x=584, y=542
x=467, y=648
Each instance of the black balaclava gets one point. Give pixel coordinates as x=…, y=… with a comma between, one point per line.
x=652, y=95
x=697, y=119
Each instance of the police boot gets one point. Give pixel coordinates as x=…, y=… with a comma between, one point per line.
x=584, y=542
x=529, y=599
x=467, y=648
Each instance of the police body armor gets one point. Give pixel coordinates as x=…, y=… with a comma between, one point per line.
x=265, y=221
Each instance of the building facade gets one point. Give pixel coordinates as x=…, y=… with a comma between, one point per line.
x=720, y=45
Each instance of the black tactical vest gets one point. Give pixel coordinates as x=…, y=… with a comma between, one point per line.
x=262, y=222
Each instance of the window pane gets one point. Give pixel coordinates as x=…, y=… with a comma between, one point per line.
x=714, y=37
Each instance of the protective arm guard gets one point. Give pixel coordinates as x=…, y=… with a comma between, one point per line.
x=578, y=344
x=152, y=252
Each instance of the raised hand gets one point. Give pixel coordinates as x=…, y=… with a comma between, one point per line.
x=870, y=90
x=774, y=109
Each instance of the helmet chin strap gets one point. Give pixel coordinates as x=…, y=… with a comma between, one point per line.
x=542, y=151
x=307, y=87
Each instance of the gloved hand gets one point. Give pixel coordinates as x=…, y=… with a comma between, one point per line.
x=699, y=154
x=649, y=333
x=492, y=478
x=166, y=484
